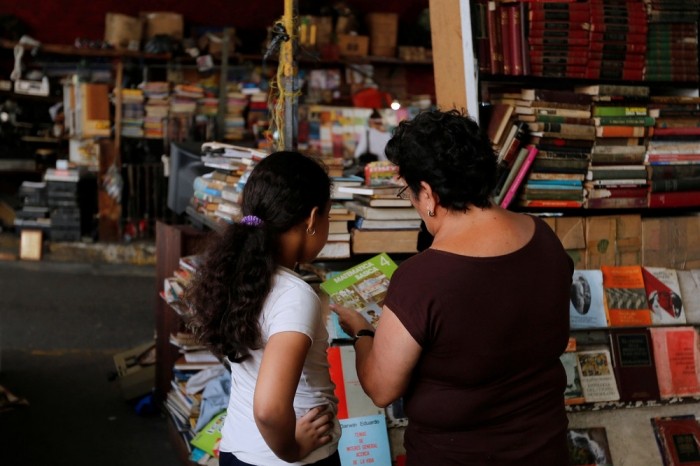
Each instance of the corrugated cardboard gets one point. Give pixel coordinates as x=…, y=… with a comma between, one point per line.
x=628, y=242
x=570, y=231
x=671, y=242
x=134, y=379
x=352, y=45
x=163, y=23
x=122, y=31
x=601, y=233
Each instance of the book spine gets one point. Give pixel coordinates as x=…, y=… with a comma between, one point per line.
x=675, y=199
x=506, y=40
x=494, y=34
x=517, y=181
x=679, y=184
x=516, y=46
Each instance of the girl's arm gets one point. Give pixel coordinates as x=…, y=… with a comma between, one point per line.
x=385, y=362
x=280, y=371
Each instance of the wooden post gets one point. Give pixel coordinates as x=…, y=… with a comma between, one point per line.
x=453, y=56
x=288, y=86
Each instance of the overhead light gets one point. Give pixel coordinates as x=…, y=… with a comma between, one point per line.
x=395, y=105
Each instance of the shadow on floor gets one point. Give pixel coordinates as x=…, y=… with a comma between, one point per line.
x=60, y=325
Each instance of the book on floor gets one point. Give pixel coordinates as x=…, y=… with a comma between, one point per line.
x=588, y=446
x=678, y=439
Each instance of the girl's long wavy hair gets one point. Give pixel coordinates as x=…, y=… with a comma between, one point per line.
x=227, y=293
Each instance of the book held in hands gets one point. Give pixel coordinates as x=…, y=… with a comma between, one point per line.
x=362, y=288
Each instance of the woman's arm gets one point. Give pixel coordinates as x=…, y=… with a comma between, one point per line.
x=385, y=362
x=280, y=371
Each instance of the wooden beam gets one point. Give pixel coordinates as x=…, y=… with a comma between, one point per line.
x=453, y=56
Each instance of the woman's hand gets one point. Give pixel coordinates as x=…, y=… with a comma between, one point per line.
x=350, y=320
x=314, y=429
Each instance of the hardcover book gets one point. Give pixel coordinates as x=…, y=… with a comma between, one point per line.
x=625, y=295
x=597, y=376
x=586, y=307
x=676, y=360
x=633, y=363
x=664, y=295
x=678, y=438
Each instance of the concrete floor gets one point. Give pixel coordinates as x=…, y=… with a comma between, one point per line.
x=60, y=325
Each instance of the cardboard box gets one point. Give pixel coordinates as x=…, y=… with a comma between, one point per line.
x=353, y=45
x=122, y=31
x=672, y=242
x=383, y=33
x=600, y=241
x=134, y=379
x=628, y=240
x=570, y=231
x=163, y=23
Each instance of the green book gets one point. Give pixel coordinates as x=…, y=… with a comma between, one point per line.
x=209, y=437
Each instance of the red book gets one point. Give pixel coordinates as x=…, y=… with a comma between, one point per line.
x=572, y=16
x=686, y=131
x=675, y=199
x=617, y=203
x=516, y=46
x=538, y=27
x=506, y=40
x=678, y=438
x=494, y=32
x=676, y=359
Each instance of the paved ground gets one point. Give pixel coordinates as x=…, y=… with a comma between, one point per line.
x=60, y=325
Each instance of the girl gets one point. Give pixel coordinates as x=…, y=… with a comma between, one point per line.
x=250, y=307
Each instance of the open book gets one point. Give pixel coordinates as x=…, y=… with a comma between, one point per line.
x=362, y=287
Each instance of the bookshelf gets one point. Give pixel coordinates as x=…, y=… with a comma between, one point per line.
x=462, y=84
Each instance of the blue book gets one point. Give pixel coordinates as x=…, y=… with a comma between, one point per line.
x=365, y=440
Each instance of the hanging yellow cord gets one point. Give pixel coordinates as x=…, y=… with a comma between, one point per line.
x=279, y=96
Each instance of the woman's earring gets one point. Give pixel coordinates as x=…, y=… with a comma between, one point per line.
x=431, y=213
x=311, y=231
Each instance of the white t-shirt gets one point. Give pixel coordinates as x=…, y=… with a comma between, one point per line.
x=292, y=305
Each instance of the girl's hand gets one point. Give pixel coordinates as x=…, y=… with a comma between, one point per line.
x=350, y=320
x=314, y=429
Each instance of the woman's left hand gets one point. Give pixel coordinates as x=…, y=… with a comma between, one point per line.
x=350, y=320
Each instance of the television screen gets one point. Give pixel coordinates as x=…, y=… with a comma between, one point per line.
x=185, y=165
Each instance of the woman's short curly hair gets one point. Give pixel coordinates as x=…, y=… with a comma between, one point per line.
x=449, y=151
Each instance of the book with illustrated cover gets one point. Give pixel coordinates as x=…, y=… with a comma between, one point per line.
x=586, y=307
x=362, y=288
x=678, y=438
x=588, y=446
x=689, y=281
x=573, y=394
x=676, y=357
x=597, y=377
x=209, y=437
x=664, y=295
x=625, y=296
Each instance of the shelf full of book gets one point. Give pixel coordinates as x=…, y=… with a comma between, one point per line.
x=606, y=92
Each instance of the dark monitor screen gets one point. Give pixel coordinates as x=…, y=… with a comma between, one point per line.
x=185, y=165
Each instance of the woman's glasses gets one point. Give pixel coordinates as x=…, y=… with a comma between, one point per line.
x=402, y=193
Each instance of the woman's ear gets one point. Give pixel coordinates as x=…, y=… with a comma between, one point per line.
x=431, y=195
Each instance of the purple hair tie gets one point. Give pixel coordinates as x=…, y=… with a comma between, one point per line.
x=251, y=220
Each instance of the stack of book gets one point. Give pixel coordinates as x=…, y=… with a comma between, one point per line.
x=185, y=97
x=673, y=156
x=236, y=105
x=617, y=175
x=338, y=244
x=132, y=113
x=62, y=196
x=156, y=94
x=392, y=229
x=672, y=53
x=34, y=213
x=618, y=39
x=559, y=43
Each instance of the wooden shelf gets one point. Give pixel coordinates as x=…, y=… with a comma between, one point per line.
x=61, y=49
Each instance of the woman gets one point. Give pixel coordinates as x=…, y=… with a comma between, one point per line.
x=472, y=327
x=250, y=307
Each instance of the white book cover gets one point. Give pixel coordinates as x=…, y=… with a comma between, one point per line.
x=664, y=295
x=596, y=374
x=689, y=281
x=586, y=307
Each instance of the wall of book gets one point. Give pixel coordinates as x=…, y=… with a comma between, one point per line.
x=595, y=102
